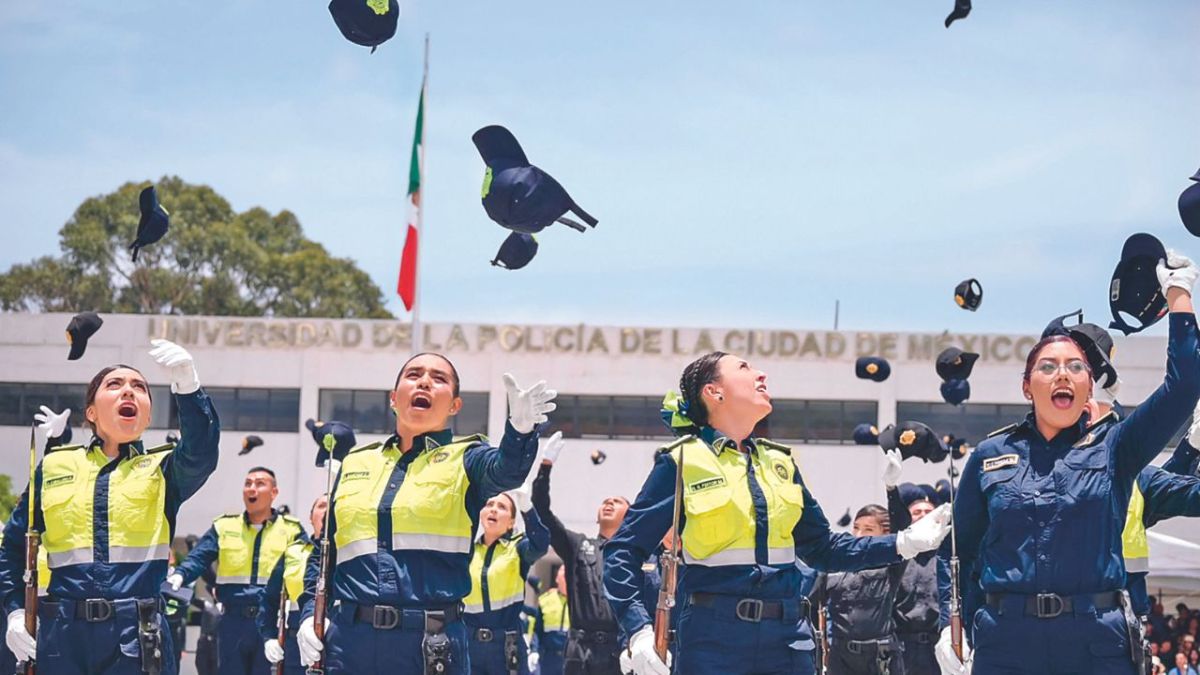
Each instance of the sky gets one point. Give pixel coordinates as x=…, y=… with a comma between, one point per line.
x=750, y=163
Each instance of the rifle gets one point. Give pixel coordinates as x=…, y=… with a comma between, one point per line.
x=277, y=669
x=670, y=571
x=33, y=540
x=956, y=625
x=823, y=639
x=320, y=598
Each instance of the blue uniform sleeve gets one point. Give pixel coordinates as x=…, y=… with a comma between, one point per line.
x=535, y=543
x=494, y=470
x=970, y=524
x=646, y=521
x=1147, y=430
x=195, y=456
x=1168, y=495
x=1182, y=459
x=268, y=603
x=12, y=556
x=200, y=558
x=897, y=510
x=822, y=549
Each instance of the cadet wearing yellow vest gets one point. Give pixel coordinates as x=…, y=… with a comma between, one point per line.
x=552, y=625
x=746, y=518
x=245, y=547
x=402, y=524
x=106, y=511
x=288, y=578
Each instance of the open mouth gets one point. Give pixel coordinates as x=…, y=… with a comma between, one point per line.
x=1062, y=398
x=491, y=520
x=762, y=389
x=421, y=402
x=251, y=499
x=127, y=410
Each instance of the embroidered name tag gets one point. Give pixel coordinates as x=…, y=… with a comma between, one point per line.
x=707, y=484
x=1000, y=462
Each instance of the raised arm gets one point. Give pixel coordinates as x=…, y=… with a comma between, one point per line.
x=821, y=548
x=562, y=539
x=535, y=543
x=195, y=456
x=495, y=470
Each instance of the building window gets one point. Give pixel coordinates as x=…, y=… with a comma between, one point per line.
x=973, y=421
x=617, y=417
x=817, y=422
x=247, y=409
x=20, y=400
x=367, y=411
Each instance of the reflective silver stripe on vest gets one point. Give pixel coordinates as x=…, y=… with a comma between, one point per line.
x=781, y=556
x=742, y=556
x=355, y=549
x=1137, y=564
x=431, y=542
x=232, y=580
x=473, y=609
x=496, y=604
x=76, y=556
x=138, y=554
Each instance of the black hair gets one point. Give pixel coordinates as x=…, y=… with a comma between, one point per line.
x=94, y=386
x=877, y=512
x=453, y=370
x=697, y=374
x=264, y=470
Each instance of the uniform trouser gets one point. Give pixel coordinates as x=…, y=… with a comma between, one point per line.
x=8, y=660
x=1094, y=642
x=844, y=661
x=918, y=653
x=291, y=654
x=71, y=646
x=551, y=647
x=357, y=648
x=713, y=641
x=487, y=657
x=239, y=646
x=587, y=655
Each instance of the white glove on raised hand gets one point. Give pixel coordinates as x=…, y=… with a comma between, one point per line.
x=52, y=423
x=308, y=642
x=19, y=642
x=1178, y=271
x=893, y=469
x=273, y=650
x=522, y=498
x=552, y=446
x=642, y=657
x=532, y=661
x=179, y=365
x=528, y=407
x=176, y=580
x=946, y=658
x=924, y=535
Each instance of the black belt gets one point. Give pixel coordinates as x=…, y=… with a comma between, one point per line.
x=751, y=610
x=248, y=611
x=868, y=646
x=595, y=637
x=1051, y=605
x=387, y=617
x=487, y=634
x=919, y=638
x=91, y=610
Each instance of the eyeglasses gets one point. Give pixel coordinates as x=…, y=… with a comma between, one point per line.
x=1074, y=367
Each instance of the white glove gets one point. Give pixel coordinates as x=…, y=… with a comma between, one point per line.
x=53, y=424
x=178, y=363
x=176, y=580
x=642, y=658
x=626, y=663
x=310, y=646
x=532, y=661
x=924, y=535
x=273, y=650
x=528, y=407
x=19, y=642
x=522, y=498
x=1178, y=271
x=1193, y=437
x=946, y=658
x=891, y=472
x=552, y=446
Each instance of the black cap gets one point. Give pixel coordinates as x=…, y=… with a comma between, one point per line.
x=369, y=23
x=1134, y=289
x=955, y=364
x=1189, y=207
x=340, y=435
x=910, y=493
x=518, y=195
x=968, y=294
x=516, y=251
x=913, y=439
x=958, y=446
x=598, y=457
x=1058, y=326
x=866, y=434
x=844, y=521
x=82, y=327
x=942, y=488
x=153, y=223
x=955, y=392
x=1096, y=343
x=872, y=368
x=961, y=9
x=249, y=443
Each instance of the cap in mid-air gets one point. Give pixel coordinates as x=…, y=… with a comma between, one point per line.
x=1134, y=289
x=955, y=392
x=968, y=294
x=516, y=251
x=333, y=438
x=1189, y=206
x=961, y=9
x=866, y=434
x=153, y=222
x=955, y=364
x=872, y=368
x=249, y=443
x=369, y=23
x=913, y=439
x=83, y=326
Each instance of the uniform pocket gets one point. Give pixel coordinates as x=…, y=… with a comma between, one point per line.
x=712, y=521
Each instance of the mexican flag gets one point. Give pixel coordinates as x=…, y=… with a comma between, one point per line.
x=406, y=287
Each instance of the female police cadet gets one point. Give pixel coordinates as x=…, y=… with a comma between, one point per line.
x=287, y=579
x=402, y=521
x=499, y=565
x=1041, y=505
x=106, y=512
x=746, y=516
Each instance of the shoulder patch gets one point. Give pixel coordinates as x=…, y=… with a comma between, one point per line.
x=1003, y=430
x=160, y=448
x=772, y=445
x=993, y=463
x=674, y=444
x=473, y=438
x=1110, y=416
x=368, y=446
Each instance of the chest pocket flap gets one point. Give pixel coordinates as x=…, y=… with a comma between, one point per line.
x=1091, y=457
x=991, y=478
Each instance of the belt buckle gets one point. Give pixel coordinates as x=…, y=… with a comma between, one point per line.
x=1049, y=605
x=484, y=634
x=385, y=618
x=853, y=647
x=749, y=609
x=97, y=610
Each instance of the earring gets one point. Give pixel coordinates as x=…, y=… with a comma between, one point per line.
x=720, y=397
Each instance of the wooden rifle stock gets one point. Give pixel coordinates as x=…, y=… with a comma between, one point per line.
x=670, y=571
x=33, y=540
x=281, y=622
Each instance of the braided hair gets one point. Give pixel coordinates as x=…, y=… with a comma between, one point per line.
x=697, y=374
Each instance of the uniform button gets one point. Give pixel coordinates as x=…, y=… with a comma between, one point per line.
x=392, y=486
x=1037, y=493
x=1041, y=523
x=1042, y=556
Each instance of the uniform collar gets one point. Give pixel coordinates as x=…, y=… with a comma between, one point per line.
x=718, y=442
x=426, y=441
x=268, y=521
x=1073, y=432
x=124, y=450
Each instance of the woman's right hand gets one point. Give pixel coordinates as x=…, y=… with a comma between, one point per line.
x=1177, y=271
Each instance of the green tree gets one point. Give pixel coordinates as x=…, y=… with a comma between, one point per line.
x=213, y=261
x=8, y=500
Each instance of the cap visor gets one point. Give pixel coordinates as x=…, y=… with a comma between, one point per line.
x=497, y=145
x=78, y=346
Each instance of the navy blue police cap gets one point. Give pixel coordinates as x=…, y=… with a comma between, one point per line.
x=909, y=493
x=249, y=443
x=152, y=222
x=1134, y=289
x=341, y=435
x=844, y=521
x=82, y=327
x=516, y=251
x=958, y=446
x=872, y=368
x=913, y=439
x=942, y=488
x=866, y=434
x=369, y=23
x=955, y=364
x=1096, y=342
x=961, y=9
x=517, y=194
x=955, y=392
x=968, y=294
x=1189, y=206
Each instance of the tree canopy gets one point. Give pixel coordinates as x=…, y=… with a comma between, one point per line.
x=212, y=261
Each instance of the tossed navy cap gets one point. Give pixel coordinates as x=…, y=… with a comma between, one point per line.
x=872, y=368
x=1058, y=326
x=866, y=434
x=1189, y=207
x=1096, y=342
x=955, y=392
x=336, y=437
x=942, y=487
x=844, y=521
x=958, y=446
x=913, y=439
x=598, y=457
x=516, y=251
x=961, y=9
x=909, y=493
x=153, y=221
x=518, y=195
x=249, y=443
x=968, y=294
x=955, y=364
x=83, y=326
x=369, y=23
x=1134, y=289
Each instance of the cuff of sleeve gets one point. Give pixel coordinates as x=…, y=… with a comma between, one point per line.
x=197, y=400
x=1179, y=321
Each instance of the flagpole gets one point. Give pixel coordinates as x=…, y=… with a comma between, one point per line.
x=418, y=337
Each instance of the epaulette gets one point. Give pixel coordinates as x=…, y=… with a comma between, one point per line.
x=60, y=448
x=473, y=438
x=368, y=446
x=289, y=518
x=229, y=515
x=159, y=448
x=1111, y=415
x=1003, y=430
x=674, y=444
x=772, y=445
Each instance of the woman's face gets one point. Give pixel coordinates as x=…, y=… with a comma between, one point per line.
x=867, y=526
x=740, y=390
x=497, y=516
x=121, y=408
x=1059, y=385
x=424, y=396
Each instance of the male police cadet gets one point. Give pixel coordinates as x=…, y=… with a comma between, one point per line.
x=246, y=547
x=106, y=512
